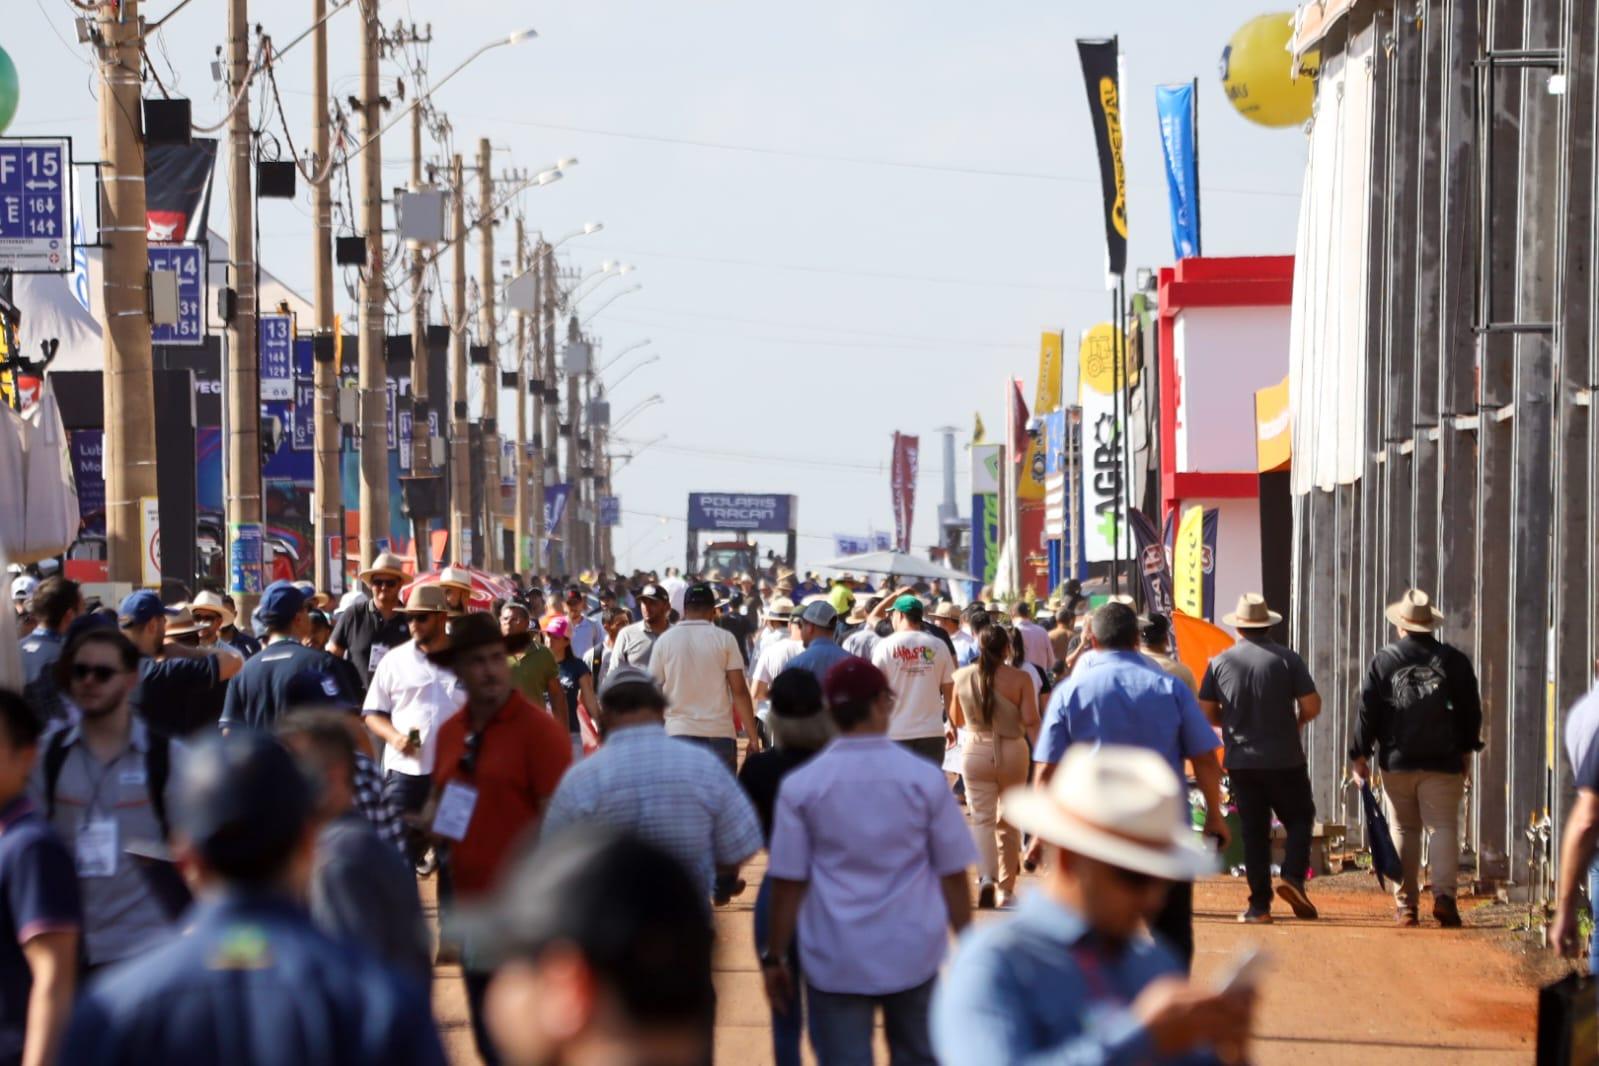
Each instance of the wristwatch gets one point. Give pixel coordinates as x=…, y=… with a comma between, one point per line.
x=769, y=960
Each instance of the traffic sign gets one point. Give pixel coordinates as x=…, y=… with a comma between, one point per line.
x=277, y=357
x=184, y=260
x=610, y=511
x=35, y=206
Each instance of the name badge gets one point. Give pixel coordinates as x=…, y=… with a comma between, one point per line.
x=97, y=848
x=455, y=811
x=378, y=652
x=133, y=777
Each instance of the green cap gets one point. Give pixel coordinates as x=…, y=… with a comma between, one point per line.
x=906, y=605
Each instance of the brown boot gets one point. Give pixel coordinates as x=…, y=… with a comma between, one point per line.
x=1405, y=917
x=1444, y=909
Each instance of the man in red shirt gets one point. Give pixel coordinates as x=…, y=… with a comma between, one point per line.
x=497, y=765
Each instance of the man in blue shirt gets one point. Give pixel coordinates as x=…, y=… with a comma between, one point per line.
x=817, y=623
x=260, y=694
x=1120, y=697
x=175, y=682
x=1070, y=978
x=1581, y=836
x=56, y=603
x=252, y=981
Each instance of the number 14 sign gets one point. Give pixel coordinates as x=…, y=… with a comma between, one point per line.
x=185, y=261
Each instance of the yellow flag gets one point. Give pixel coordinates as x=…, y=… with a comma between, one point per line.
x=1030, y=484
x=1188, y=564
x=978, y=432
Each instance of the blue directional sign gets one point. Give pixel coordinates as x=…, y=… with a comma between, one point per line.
x=277, y=357
x=185, y=261
x=610, y=511
x=35, y=206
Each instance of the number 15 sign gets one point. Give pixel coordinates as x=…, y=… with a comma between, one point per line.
x=35, y=206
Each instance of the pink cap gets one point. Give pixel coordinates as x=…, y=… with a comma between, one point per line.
x=559, y=626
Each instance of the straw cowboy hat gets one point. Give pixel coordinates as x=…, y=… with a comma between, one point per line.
x=213, y=602
x=780, y=609
x=1120, y=805
x=946, y=610
x=453, y=577
x=1252, y=613
x=1414, y=613
x=426, y=599
x=386, y=563
x=319, y=600
x=183, y=623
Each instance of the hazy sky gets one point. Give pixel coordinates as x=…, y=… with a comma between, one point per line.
x=847, y=218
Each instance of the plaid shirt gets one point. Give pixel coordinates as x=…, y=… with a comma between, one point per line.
x=670, y=792
x=374, y=806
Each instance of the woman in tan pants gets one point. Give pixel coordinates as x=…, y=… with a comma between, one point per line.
x=998, y=708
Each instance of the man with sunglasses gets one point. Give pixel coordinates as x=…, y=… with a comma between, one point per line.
x=367, y=632
x=498, y=763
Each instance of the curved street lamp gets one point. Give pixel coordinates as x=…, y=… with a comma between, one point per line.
x=648, y=401
x=615, y=296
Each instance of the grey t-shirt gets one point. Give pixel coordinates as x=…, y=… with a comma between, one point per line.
x=634, y=644
x=362, y=890
x=1256, y=682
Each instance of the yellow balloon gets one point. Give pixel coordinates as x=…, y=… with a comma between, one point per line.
x=1261, y=76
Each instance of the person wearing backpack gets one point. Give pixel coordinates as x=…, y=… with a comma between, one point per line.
x=1421, y=713
x=105, y=784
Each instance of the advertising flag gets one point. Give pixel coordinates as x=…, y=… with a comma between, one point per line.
x=1105, y=489
x=1188, y=564
x=1175, y=105
x=1152, y=565
x=1100, y=74
x=984, y=561
x=903, y=477
x=1030, y=482
x=177, y=183
x=1207, y=560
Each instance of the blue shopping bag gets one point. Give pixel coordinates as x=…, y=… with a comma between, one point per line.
x=1384, y=856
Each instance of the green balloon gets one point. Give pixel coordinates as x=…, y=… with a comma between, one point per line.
x=10, y=90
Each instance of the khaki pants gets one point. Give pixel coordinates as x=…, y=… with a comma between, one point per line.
x=1418, y=802
x=990, y=765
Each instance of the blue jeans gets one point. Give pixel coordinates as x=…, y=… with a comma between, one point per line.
x=408, y=794
x=786, y=1027
x=724, y=748
x=841, y=1026
x=1593, y=904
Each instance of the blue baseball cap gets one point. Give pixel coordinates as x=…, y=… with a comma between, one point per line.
x=138, y=608
x=280, y=603
x=245, y=802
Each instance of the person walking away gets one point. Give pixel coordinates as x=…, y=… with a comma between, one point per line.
x=1154, y=640
x=1121, y=698
x=612, y=620
x=533, y=668
x=862, y=637
x=1061, y=635
x=324, y=692
x=252, y=980
x=777, y=627
x=818, y=621
x=921, y=674
x=586, y=632
x=947, y=616
x=176, y=685
x=1261, y=695
x=361, y=890
x=1421, y=713
x=699, y=669
x=646, y=782
x=104, y=783
x=869, y=862
x=259, y=695
x=637, y=641
x=1070, y=977
x=499, y=762
x=366, y=632
x=777, y=654
x=997, y=708
x=408, y=702
x=43, y=916
x=1034, y=636
x=56, y=603
x=22, y=589
x=1580, y=838
x=577, y=684
x=800, y=728
x=610, y=927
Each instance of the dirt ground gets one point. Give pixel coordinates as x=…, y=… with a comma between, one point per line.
x=1346, y=988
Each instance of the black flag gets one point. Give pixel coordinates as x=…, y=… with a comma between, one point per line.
x=1104, y=104
x=177, y=189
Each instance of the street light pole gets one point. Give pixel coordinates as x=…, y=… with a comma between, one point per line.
x=571, y=524
x=535, y=448
x=373, y=379
x=460, y=450
x=552, y=416
x=522, y=461
x=491, y=369
x=421, y=360
x=327, y=486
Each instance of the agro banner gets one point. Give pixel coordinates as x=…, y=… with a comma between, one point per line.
x=984, y=562
x=1152, y=565
x=903, y=478
x=1105, y=488
x=1175, y=105
x=177, y=189
x=1105, y=107
x=1030, y=481
x=985, y=467
x=731, y=510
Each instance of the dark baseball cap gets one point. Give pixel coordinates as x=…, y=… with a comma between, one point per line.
x=653, y=591
x=699, y=595
x=139, y=607
x=244, y=804
x=853, y=680
x=280, y=603
x=626, y=675
x=820, y=613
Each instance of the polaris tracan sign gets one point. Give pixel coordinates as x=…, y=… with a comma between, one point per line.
x=726, y=510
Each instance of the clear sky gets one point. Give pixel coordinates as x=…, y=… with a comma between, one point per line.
x=847, y=218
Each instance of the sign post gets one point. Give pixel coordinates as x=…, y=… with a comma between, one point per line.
x=277, y=357
x=35, y=208
x=184, y=260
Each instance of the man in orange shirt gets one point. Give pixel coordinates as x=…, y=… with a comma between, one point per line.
x=497, y=765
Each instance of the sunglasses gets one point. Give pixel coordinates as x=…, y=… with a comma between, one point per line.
x=385, y=583
x=84, y=671
x=468, y=763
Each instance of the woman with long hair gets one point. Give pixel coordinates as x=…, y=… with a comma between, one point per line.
x=578, y=684
x=997, y=706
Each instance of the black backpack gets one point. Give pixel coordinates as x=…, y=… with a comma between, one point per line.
x=1423, y=724
x=157, y=768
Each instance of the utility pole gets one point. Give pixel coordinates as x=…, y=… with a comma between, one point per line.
x=328, y=485
x=129, y=388
x=421, y=442
x=373, y=377
x=491, y=369
x=552, y=416
x=460, y=450
x=242, y=382
x=541, y=264
x=571, y=526
x=522, y=463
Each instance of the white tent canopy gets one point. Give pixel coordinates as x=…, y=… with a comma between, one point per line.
x=900, y=564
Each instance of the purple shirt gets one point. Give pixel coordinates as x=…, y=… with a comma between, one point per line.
x=872, y=828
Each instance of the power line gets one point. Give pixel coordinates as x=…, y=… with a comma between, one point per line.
x=874, y=345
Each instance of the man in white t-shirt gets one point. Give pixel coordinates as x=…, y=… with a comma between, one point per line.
x=409, y=698
x=675, y=587
x=702, y=673
x=921, y=673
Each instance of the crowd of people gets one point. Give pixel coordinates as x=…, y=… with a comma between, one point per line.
x=213, y=828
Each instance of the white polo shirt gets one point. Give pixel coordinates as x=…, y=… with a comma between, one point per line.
x=415, y=694
x=917, y=665
x=691, y=661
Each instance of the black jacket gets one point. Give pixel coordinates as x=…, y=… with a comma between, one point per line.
x=1419, y=707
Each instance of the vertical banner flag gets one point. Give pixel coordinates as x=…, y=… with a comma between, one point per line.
x=1188, y=564
x=984, y=560
x=1207, y=561
x=1152, y=565
x=1100, y=74
x=177, y=181
x=1030, y=482
x=1105, y=490
x=1175, y=105
x=903, y=477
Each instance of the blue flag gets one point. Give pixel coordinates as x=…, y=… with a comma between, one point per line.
x=1175, y=104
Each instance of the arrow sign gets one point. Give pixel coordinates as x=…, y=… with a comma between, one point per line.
x=35, y=212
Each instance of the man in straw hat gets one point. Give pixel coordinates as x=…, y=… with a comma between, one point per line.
x=1261, y=694
x=1071, y=977
x=457, y=585
x=1421, y=713
x=367, y=632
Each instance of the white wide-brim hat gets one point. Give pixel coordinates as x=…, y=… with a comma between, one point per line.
x=1122, y=806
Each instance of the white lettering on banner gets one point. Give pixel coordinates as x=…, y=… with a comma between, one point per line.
x=738, y=508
